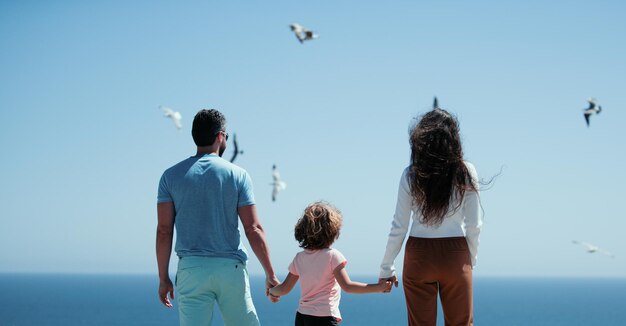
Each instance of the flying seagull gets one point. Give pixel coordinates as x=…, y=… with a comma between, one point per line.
x=174, y=115
x=592, y=248
x=237, y=151
x=302, y=33
x=277, y=184
x=436, y=104
x=593, y=108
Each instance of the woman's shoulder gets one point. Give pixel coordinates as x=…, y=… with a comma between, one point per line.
x=471, y=168
x=472, y=171
x=405, y=173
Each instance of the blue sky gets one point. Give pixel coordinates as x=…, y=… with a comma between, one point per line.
x=84, y=144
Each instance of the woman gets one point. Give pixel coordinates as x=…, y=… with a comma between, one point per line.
x=441, y=190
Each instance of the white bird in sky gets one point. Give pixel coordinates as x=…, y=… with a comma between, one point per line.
x=593, y=248
x=174, y=115
x=593, y=108
x=302, y=33
x=277, y=184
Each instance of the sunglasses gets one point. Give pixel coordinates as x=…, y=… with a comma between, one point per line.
x=225, y=134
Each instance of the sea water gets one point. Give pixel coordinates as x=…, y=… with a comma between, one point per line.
x=44, y=299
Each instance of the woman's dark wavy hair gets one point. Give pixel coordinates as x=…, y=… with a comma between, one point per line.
x=437, y=172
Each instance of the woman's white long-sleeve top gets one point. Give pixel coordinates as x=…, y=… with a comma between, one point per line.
x=465, y=221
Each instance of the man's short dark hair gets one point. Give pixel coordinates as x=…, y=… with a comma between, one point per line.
x=206, y=125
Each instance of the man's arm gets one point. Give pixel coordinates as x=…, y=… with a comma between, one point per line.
x=164, y=236
x=256, y=237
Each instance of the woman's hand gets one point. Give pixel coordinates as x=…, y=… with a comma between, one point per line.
x=393, y=280
x=385, y=286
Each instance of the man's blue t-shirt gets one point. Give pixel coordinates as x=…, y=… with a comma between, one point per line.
x=207, y=191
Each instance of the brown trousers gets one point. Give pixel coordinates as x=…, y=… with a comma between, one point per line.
x=433, y=265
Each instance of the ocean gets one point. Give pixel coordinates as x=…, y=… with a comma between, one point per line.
x=43, y=299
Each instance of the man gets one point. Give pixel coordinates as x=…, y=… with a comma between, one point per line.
x=202, y=197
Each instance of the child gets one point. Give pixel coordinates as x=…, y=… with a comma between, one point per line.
x=320, y=268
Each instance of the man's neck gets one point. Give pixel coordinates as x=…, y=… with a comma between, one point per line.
x=203, y=150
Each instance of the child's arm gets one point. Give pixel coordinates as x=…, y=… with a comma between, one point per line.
x=285, y=287
x=341, y=275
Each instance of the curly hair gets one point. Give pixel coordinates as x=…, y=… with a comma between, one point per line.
x=437, y=173
x=318, y=227
x=206, y=125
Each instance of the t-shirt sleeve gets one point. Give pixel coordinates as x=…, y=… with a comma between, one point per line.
x=246, y=195
x=164, y=195
x=292, y=268
x=337, y=259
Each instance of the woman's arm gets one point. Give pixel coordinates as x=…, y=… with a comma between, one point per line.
x=341, y=275
x=285, y=287
x=399, y=228
x=472, y=210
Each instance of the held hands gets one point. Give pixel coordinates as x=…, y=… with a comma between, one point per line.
x=391, y=281
x=272, y=296
x=270, y=283
x=384, y=286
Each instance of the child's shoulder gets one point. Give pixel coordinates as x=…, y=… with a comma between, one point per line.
x=317, y=252
x=336, y=253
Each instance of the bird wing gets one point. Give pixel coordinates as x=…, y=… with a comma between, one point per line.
x=589, y=246
x=236, y=146
x=168, y=112
x=587, y=114
x=275, y=175
x=177, y=119
x=592, y=104
x=584, y=244
x=297, y=30
x=606, y=253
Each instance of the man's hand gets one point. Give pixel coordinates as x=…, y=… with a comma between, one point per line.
x=166, y=287
x=393, y=280
x=270, y=282
x=164, y=236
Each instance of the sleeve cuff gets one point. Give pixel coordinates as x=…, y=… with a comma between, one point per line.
x=387, y=273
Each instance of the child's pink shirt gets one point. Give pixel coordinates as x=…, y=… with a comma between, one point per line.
x=320, y=292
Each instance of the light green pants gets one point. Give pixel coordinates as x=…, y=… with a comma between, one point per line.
x=203, y=281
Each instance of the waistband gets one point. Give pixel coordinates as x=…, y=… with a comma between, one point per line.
x=187, y=261
x=449, y=242
x=436, y=239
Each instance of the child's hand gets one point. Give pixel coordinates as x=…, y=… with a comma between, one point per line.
x=273, y=298
x=393, y=280
x=385, y=286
